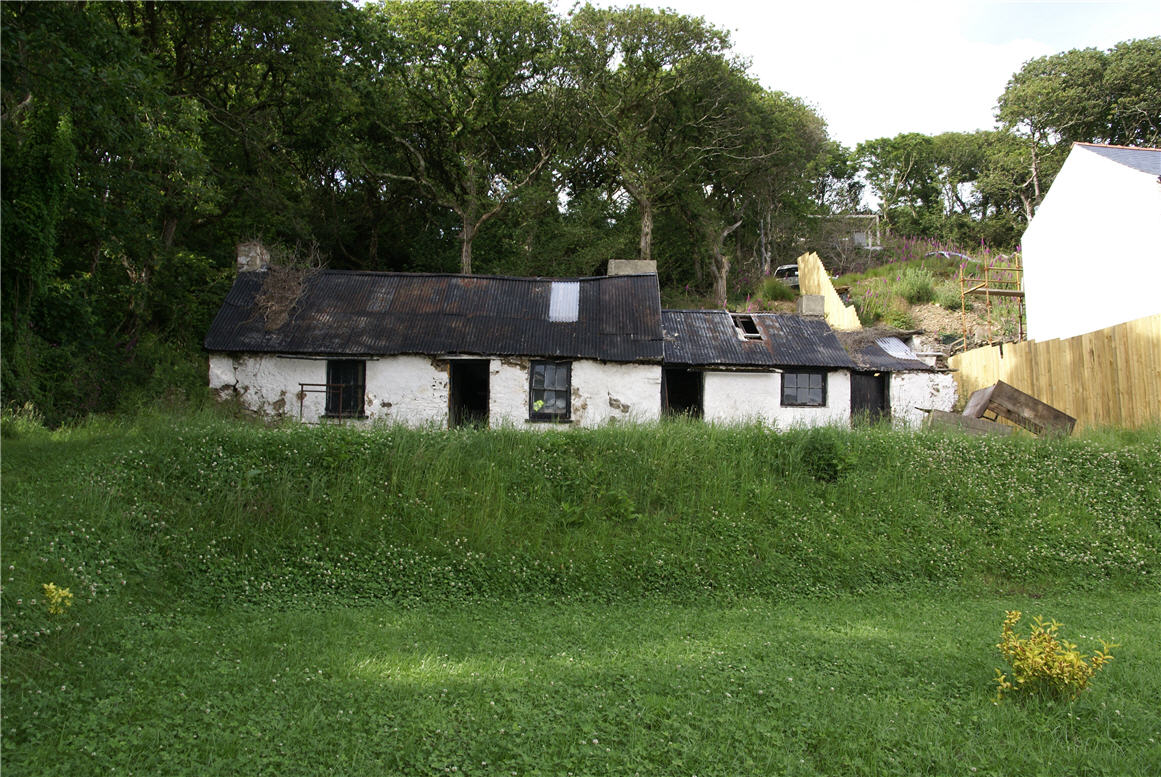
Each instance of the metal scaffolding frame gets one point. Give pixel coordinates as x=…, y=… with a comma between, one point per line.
x=1005, y=282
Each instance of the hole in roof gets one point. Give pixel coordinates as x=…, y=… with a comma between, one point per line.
x=747, y=326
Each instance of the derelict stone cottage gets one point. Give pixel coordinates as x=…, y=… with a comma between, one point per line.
x=890, y=381
x=447, y=350
x=444, y=350
x=782, y=370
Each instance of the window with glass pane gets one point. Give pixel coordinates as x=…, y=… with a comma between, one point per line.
x=804, y=389
x=550, y=384
x=345, y=387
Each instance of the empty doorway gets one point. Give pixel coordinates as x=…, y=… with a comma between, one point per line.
x=468, y=395
x=682, y=392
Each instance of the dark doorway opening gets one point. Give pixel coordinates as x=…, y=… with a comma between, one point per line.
x=468, y=398
x=681, y=392
x=870, y=400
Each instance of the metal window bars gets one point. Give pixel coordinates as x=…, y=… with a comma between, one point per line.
x=337, y=409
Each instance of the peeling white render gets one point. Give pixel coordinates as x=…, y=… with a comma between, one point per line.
x=414, y=390
x=740, y=397
x=267, y=385
x=601, y=392
x=408, y=389
x=910, y=391
x=616, y=392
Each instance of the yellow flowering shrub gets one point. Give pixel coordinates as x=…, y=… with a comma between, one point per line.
x=1043, y=663
x=58, y=599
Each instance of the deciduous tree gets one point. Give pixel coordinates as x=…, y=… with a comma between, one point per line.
x=466, y=91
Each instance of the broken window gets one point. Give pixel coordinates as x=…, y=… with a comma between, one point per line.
x=747, y=327
x=548, y=394
x=805, y=388
x=346, y=384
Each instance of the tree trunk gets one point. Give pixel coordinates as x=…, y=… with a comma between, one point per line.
x=720, y=269
x=373, y=246
x=1035, y=175
x=1029, y=210
x=764, y=244
x=168, y=230
x=467, y=235
x=645, y=249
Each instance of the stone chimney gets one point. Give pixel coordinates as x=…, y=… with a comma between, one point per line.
x=632, y=267
x=252, y=256
x=812, y=305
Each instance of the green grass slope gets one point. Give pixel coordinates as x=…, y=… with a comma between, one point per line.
x=678, y=598
x=206, y=511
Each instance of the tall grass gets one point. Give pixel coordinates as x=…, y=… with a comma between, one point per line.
x=916, y=285
x=209, y=510
x=295, y=600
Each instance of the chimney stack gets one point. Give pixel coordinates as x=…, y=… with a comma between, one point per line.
x=252, y=256
x=632, y=267
x=812, y=305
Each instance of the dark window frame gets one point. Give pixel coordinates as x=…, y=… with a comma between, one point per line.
x=346, y=388
x=543, y=393
x=746, y=325
x=796, y=399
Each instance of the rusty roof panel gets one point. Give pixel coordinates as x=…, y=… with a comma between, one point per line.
x=800, y=341
x=366, y=313
x=872, y=352
x=626, y=312
x=708, y=338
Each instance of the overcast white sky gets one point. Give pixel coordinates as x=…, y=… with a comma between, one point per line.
x=878, y=68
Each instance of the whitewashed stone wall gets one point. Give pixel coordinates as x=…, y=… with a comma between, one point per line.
x=410, y=390
x=414, y=390
x=268, y=385
x=741, y=397
x=405, y=389
x=605, y=392
x=601, y=392
x=910, y=391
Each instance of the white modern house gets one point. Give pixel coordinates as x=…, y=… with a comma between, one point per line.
x=1092, y=252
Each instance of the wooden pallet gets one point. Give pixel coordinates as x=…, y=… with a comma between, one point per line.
x=1024, y=410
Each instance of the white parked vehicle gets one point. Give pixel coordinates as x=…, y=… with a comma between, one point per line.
x=788, y=274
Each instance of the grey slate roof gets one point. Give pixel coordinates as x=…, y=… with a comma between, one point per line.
x=708, y=338
x=881, y=354
x=370, y=313
x=1145, y=160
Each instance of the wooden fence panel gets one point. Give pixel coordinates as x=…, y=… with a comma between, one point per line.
x=1082, y=397
x=1109, y=377
x=812, y=279
x=1111, y=409
x=1124, y=373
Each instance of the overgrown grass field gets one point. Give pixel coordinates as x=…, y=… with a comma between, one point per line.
x=676, y=599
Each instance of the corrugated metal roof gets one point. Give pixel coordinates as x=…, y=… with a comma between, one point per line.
x=368, y=313
x=1145, y=160
x=708, y=338
x=881, y=354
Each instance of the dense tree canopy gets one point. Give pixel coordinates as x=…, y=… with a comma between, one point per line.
x=143, y=140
